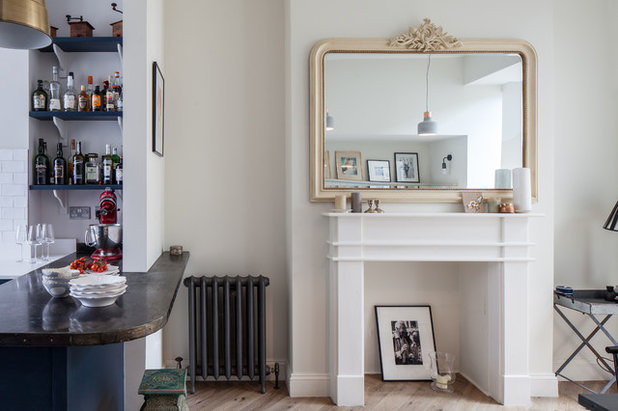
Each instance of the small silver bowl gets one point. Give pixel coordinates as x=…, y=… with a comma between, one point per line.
x=56, y=281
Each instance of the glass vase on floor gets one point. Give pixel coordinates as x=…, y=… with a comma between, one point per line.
x=442, y=369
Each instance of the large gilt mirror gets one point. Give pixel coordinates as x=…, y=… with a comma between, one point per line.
x=421, y=117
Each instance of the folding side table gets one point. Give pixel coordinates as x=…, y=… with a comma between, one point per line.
x=591, y=303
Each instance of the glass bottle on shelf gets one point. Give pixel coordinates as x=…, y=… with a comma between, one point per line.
x=117, y=92
x=90, y=92
x=109, y=95
x=70, y=162
x=115, y=161
x=39, y=98
x=70, y=98
x=108, y=166
x=119, y=172
x=93, y=174
x=96, y=99
x=49, y=170
x=41, y=165
x=78, y=165
x=60, y=167
x=83, y=99
x=54, y=91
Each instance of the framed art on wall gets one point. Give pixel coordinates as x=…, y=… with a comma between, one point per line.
x=158, y=100
x=405, y=339
x=379, y=170
x=406, y=167
x=349, y=166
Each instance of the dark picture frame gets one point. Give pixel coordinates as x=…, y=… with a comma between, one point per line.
x=406, y=168
x=158, y=109
x=405, y=339
x=379, y=171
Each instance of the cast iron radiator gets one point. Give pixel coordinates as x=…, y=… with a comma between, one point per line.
x=227, y=328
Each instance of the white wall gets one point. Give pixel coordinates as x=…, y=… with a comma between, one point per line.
x=225, y=153
x=586, y=169
x=144, y=185
x=307, y=23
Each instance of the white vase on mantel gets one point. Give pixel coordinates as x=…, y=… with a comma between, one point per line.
x=522, y=193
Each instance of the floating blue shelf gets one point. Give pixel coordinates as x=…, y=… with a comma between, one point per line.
x=85, y=44
x=76, y=187
x=77, y=115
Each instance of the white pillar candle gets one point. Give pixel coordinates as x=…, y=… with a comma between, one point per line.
x=442, y=381
x=503, y=178
x=522, y=193
x=340, y=202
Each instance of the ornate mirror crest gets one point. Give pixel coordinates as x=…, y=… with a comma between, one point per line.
x=427, y=37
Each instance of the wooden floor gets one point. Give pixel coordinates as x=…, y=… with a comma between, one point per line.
x=378, y=396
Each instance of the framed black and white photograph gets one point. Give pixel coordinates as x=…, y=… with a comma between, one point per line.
x=158, y=100
x=379, y=170
x=406, y=167
x=405, y=339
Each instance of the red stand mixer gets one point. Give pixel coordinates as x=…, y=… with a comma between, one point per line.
x=106, y=236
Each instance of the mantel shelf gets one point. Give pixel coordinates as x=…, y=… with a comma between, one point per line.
x=85, y=44
x=77, y=115
x=75, y=187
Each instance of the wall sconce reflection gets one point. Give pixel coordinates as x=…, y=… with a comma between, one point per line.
x=445, y=168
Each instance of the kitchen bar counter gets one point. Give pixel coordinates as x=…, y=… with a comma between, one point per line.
x=59, y=355
x=31, y=317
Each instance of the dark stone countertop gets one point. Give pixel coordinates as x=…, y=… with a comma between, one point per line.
x=31, y=317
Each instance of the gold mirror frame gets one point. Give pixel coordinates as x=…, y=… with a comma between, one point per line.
x=401, y=44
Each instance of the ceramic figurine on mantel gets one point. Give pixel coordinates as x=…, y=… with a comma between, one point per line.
x=370, y=205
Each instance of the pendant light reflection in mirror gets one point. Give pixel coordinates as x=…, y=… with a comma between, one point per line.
x=427, y=127
x=330, y=121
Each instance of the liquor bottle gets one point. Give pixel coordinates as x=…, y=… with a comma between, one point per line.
x=108, y=166
x=97, y=100
x=115, y=161
x=78, y=165
x=54, y=91
x=70, y=98
x=70, y=162
x=39, y=98
x=117, y=92
x=90, y=92
x=109, y=95
x=60, y=166
x=83, y=99
x=41, y=165
x=119, y=172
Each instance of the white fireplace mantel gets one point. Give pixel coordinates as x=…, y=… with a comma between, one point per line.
x=498, y=366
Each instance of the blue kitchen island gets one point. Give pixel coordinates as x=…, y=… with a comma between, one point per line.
x=56, y=354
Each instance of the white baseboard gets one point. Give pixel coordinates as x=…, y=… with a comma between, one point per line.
x=308, y=385
x=543, y=385
x=582, y=369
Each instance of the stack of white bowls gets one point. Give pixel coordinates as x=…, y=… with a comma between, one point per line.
x=98, y=290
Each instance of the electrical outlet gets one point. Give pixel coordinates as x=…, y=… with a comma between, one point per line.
x=79, y=213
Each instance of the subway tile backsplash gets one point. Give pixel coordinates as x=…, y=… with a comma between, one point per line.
x=13, y=192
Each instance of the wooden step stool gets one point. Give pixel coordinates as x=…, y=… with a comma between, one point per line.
x=164, y=390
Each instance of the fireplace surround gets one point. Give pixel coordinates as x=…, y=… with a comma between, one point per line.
x=495, y=353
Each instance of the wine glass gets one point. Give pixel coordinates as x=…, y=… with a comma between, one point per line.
x=31, y=241
x=21, y=233
x=39, y=240
x=48, y=237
